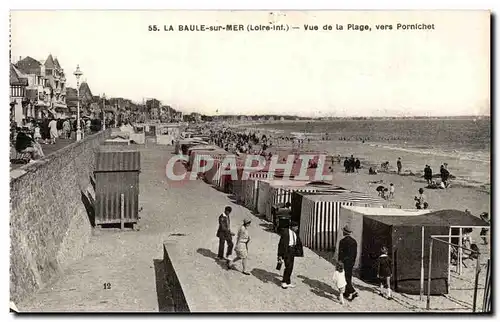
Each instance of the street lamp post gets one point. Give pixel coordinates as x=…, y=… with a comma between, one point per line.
x=78, y=74
x=103, y=111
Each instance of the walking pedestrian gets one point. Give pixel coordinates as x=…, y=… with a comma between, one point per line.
x=224, y=234
x=339, y=281
x=357, y=164
x=37, y=134
x=399, y=165
x=67, y=129
x=289, y=247
x=428, y=174
x=53, y=131
x=384, y=272
x=348, y=251
x=241, y=248
x=445, y=175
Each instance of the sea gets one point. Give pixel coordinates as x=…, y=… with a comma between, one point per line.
x=462, y=143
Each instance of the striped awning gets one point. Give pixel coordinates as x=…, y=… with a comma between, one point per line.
x=347, y=196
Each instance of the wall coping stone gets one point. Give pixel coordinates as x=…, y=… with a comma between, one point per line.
x=20, y=172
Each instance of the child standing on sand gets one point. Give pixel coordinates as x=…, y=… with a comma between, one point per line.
x=339, y=281
x=384, y=272
x=391, y=191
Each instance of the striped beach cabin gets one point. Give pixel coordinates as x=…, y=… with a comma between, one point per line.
x=319, y=219
x=298, y=196
x=273, y=192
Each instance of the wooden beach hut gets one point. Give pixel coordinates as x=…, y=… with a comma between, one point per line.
x=408, y=239
x=319, y=219
x=250, y=189
x=199, y=154
x=117, y=185
x=182, y=146
x=353, y=216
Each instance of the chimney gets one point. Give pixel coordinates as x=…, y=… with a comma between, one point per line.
x=19, y=58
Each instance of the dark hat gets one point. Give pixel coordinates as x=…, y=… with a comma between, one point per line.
x=347, y=229
x=246, y=221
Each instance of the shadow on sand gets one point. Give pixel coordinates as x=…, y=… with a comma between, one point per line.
x=320, y=288
x=89, y=207
x=163, y=293
x=266, y=277
x=210, y=254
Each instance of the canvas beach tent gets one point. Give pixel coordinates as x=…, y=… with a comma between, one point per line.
x=353, y=216
x=408, y=239
x=319, y=218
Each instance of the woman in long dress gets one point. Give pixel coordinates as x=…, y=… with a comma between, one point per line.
x=53, y=131
x=241, y=248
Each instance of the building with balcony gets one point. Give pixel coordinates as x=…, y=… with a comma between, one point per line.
x=56, y=87
x=46, y=90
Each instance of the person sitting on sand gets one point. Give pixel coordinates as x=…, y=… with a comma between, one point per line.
x=420, y=199
x=385, y=166
x=380, y=190
x=372, y=171
x=433, y=185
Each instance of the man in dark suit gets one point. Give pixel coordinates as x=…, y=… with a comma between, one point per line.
x=348, y=250
x=289, y=247
x=224, y=233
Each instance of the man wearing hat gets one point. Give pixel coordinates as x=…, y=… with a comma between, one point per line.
x=224, y=233
x=289, y=247
x=348, y=250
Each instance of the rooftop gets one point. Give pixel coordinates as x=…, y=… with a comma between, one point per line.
x=446, y=218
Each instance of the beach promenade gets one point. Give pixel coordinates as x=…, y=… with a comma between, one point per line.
x=124, y=271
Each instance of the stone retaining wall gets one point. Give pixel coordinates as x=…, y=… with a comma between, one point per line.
x=49, y=225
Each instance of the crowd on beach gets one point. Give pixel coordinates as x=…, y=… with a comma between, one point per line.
x=290, y=245
x=253, y=143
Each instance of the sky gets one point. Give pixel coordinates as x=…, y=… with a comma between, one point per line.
x=440, y=72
